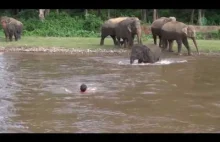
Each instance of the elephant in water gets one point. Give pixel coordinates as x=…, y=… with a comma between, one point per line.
x=178, y=31
x=145, y=53
x=108, y=28
x=127, y=29
x=156, y=27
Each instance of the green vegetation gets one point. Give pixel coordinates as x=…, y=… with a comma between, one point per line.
x=74, y=23
x=93, y=43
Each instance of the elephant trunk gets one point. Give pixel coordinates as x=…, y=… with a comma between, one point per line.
x=131, y=60
x=194, y=41
x=139, y=36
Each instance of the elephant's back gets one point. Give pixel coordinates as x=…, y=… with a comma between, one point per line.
x=173, y=26
x=116, y=20
x=124, y=22
x=108, y=24
x=157, y=23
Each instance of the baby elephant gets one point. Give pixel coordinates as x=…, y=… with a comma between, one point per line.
x=145, y=53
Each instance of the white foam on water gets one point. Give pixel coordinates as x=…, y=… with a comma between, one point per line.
x=67, y=90
x=161, y=62
x=92, y=89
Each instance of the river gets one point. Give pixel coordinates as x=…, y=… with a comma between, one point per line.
x=40, y=93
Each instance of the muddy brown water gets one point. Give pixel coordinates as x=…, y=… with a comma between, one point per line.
x=40, y=93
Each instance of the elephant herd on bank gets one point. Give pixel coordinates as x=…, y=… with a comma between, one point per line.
x=11, y=27
x=167, y=29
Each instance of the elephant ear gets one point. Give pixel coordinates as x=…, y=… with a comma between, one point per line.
x=184, y=30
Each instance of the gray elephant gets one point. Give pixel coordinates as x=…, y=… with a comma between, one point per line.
x=108, y=29
x=178, y=31
x=17, y=23
x=145, y=53
x=156, y=27
x=10, y=30
x=127, y=29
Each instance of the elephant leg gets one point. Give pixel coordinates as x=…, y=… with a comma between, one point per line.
x=102, y=39
x=114, y=39
x=19, y=35
x=122, y=42
x=119, y=41
x=125, y=42
x=186, y=44
x=164, y=44
x=179, y=44
x=6, y=36
x=10, y=36
x=155, y=39
x=16, y=36
x=170, y=45
x=160, y=44
x=140, y=61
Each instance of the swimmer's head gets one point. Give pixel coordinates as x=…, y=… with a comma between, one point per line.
x=83, y=88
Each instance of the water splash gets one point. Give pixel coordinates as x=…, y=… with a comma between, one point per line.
x=161, y=62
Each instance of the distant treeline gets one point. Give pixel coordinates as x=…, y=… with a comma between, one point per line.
x=87, y=22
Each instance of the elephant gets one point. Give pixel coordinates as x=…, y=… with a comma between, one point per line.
x=108, y=28
x=178, y=31
x=145, y=53
x=127, y=29
x=18, y=24
x=10, y=30
x=156, y=28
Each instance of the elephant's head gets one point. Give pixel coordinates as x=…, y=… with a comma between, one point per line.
x=189, y=31
x=3, y=23
x=135, y=28
x=136, y=53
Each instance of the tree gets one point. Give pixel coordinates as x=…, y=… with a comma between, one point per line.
x=57, y=10
x=144, y=15
x=86, y=12
x=99, y=12
x=155, y=14
x=109, y=13
x=200, y=16
x=192, y=16
x=43, y=13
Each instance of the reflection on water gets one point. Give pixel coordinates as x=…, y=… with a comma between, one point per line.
x=40, y=93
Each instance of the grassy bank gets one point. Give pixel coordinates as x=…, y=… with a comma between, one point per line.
x=93, y=43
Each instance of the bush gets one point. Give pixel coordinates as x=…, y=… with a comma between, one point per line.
x=208, y=35
x=62, y=25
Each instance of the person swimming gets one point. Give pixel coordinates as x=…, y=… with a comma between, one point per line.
x=83, y=88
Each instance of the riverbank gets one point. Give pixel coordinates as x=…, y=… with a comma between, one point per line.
x=76, y=45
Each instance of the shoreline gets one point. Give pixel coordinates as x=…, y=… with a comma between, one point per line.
x=77, y=51
x=90, y=46
x=64, y=50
